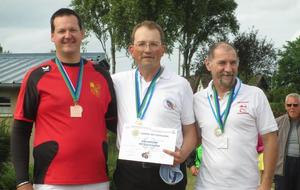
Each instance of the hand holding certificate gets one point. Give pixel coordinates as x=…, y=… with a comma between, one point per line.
x=146, y=144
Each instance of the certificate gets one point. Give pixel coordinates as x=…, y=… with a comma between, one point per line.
x=146, y=144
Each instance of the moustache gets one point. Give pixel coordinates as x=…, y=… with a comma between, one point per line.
x=227, y=75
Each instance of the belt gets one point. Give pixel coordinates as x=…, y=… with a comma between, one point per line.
x=139, y=164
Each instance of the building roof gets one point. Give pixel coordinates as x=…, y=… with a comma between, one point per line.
x=14, y=66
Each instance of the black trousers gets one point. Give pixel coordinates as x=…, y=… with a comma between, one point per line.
x=130, y=175
x=291, y=178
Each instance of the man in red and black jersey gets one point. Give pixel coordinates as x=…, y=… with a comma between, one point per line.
x=71, y=102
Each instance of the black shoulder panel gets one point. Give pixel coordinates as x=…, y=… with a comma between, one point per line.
x=31, y=97
x=111, y=114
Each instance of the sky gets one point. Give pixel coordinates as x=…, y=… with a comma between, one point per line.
x=25, y=26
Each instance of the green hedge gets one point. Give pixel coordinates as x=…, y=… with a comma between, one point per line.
x=4, y=142
x=277, y=108
x=7, y=177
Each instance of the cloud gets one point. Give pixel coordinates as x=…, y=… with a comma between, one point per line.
x=277, y=20
x=29, y=13
x=28, y=40
x=295, y=35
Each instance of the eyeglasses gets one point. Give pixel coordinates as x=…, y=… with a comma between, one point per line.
x=290, y=105
x=153, y=45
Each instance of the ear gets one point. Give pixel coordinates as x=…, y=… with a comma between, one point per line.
x=131, y=49
x=52, y=37
x=207, y=64
x=163, y=50
x=82, y=33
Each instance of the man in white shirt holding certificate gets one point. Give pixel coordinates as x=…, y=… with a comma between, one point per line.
x=153, y=105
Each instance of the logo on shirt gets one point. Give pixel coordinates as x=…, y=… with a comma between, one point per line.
x=95, y=89
x=169, y=104
x=46, y=68
x=243, y=108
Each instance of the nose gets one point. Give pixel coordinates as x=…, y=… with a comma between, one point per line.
x=67, y=34
x=228, y=67
x=147, y=47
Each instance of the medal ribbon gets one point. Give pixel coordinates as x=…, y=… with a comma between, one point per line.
x=75, y=92
x=141, y=108
x=222, y=118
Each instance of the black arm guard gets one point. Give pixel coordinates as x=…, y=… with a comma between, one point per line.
x=20, y=138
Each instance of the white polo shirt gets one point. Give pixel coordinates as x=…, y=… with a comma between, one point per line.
x=171, y=105
x=234, y=167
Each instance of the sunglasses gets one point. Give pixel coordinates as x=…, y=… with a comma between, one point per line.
x=290, y=105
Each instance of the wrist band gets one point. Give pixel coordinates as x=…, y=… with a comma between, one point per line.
x=23, y=183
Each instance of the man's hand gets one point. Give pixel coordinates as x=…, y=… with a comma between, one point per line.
x=189, y=144
x=178, y=156
x=264, y=186
x=194, y=170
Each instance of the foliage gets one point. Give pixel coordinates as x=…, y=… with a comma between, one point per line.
x=188, y=22
x=113, y=19
x=1, y=49
x=277, y=108
x=7, y=177
x=112, y=157
x=201, y=21
x=257, y=55
x=287, y=77
x=4, y=141
x=95, y=15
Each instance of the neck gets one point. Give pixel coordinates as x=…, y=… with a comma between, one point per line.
x=148, y=73
x=222, y=91
x=295, y=119
x=68, y=59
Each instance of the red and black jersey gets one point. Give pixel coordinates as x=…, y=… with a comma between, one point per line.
x=68, y=150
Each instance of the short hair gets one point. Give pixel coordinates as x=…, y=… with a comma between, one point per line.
x=150, y=25
x=294, y=95
x=227, y=45
x=64, y=12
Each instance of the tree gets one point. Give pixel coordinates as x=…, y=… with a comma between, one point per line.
x=201, y=21
x=1, y=49
x=286, y=78
x=96, y=18
x=188, y=22
x=256, y=55
x=113, y=20
x=125, y=14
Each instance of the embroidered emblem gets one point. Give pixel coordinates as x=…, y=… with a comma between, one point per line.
x=95, y=88
x=243, y=108
x=46, y=68
x=169, y=104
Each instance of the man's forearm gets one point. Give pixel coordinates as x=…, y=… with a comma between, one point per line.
x=189, y=139
x=270, y=157
x=20, y=137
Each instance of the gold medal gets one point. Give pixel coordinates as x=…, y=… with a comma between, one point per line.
x=218, y=132
x=76, y=111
